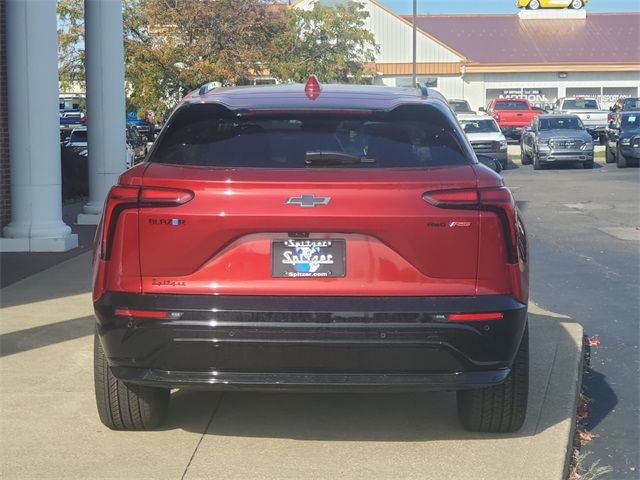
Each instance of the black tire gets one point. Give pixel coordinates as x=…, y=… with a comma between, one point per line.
x=524, y=159
x=501, y=408
x=609, y=157
x=621, y=160
x=588, y=165
x=123, y=406
x=537, y=165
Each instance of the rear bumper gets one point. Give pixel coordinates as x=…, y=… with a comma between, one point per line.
x=323, y=343
x=310, y=381
x=512, y=131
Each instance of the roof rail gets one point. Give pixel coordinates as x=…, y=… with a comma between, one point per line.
x=208, y=86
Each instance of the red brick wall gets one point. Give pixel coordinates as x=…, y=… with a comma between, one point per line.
x=5, y=178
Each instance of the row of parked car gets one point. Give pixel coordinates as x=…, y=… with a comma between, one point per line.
x=73, y=129
x=567, y=134
x=136, y=143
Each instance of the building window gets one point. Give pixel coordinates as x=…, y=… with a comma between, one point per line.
x=431, y=82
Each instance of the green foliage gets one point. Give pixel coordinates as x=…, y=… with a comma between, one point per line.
x=70, y=42
x=174, y=46
x=332, y=43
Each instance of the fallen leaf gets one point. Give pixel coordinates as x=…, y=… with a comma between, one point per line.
x=592, y=341
x=584, y=436
x=583, y=407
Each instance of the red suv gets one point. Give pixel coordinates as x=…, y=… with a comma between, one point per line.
x=311, y=237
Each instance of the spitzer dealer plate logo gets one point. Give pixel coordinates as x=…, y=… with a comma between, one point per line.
x=308, y=258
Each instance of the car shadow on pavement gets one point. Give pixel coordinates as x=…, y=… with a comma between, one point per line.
x=570, y=166
x=45, y=335
x=511, y=165
x=410, y=416
x=601, y=398
x=70, y=277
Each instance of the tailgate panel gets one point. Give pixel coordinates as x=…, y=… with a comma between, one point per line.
x=396, y=243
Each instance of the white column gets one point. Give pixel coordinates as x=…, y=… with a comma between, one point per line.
x=106, y=121
x=34, y=132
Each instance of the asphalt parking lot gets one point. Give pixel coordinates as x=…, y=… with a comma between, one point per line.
x=584, y=233
x=584, y=241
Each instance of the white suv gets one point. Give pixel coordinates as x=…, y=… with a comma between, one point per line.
x=485, y=136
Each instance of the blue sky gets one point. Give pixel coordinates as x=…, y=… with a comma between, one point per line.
x=404, y=7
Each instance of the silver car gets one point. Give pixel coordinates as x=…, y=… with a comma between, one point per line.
x=556, y=139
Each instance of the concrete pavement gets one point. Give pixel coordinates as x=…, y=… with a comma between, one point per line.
x=49, y=426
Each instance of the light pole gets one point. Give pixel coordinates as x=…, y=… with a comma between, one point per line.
x=415, y=80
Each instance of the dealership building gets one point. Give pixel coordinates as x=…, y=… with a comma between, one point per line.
x=542, y=55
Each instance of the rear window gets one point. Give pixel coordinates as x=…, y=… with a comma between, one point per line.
x=631, y=121
x=580, y=105
x=479, y=126
x=631, y=104
x=561, y=123
x=511, y=105
x=212, y=136
x=78, y=136
x=458, y=106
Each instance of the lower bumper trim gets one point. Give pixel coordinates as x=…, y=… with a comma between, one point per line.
x=309, y=381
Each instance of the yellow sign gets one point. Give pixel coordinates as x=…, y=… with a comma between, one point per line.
x=536, y=4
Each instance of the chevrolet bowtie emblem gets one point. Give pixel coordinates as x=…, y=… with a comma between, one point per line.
x=308, y=201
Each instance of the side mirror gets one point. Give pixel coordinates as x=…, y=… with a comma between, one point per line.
x=490, y=162
x=482, y=109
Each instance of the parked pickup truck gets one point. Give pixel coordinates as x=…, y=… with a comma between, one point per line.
x=70, y=120
x=593, y=118
x=512, y=115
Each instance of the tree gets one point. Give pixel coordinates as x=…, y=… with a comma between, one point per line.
x=174, y=46
x=70, y=42
x=331, y=42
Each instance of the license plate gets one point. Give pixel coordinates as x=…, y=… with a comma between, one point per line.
x=298, y=258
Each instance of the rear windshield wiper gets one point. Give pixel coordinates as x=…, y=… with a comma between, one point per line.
x=334, y=158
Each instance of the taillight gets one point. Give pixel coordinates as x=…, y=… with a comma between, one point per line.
x=157, y=197
x=127, y=312
x=124, y=197
x=83, y=117
x=474, y=317
x=453, y=198
x=498, y=200
x=609, y=117
x=119, y=199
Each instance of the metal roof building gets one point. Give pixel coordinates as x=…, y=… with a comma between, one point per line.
x=542, y=55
